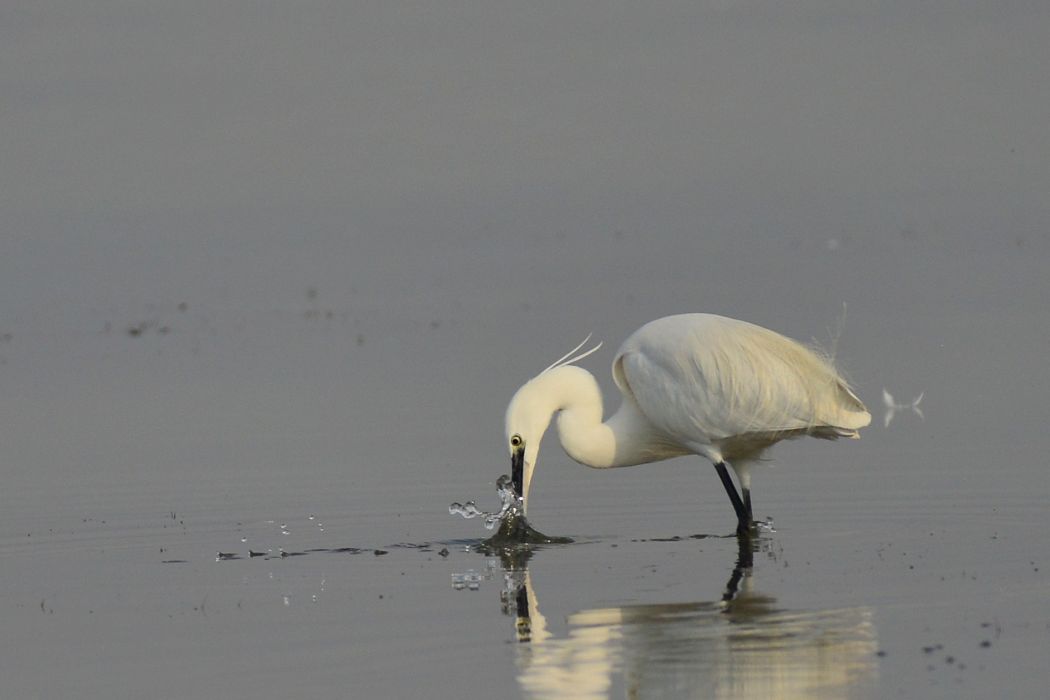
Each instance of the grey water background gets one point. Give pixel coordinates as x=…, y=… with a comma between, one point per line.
x=269, y=273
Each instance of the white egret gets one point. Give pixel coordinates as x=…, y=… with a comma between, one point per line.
x=701, y=384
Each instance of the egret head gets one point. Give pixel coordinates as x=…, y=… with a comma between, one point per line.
x=528, y=416
x=529, y=413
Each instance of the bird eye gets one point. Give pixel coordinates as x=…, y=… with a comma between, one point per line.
x=516, y=441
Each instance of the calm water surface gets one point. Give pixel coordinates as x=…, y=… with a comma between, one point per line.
x=909, y=563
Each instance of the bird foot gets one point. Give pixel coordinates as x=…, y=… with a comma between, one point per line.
x=754, y=527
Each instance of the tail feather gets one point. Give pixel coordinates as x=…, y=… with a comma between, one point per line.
x=832, y=432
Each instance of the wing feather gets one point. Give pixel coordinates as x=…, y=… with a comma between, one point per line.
x=702, y=378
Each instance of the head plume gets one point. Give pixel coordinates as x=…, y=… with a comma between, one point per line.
x=568, y=359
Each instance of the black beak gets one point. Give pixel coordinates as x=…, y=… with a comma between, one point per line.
x=517, y=470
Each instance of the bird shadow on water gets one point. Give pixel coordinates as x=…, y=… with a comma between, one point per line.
x=737, y=642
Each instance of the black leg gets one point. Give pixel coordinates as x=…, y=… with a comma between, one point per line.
x=743, y=519
x=747, y=504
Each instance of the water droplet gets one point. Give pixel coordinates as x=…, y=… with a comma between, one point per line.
x=765, y=525
x=469, y=579
x=510, y=505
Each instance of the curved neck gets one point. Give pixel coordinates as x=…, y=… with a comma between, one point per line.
x=625, y=439
x=583, y=435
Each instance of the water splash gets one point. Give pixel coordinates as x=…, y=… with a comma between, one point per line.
x=514, y=528
x=510, y=505
x=469, y=580
x=765, y=525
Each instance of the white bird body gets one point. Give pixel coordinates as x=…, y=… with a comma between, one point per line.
x=692, y=384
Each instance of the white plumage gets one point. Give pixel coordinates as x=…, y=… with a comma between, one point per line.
x=692, y=384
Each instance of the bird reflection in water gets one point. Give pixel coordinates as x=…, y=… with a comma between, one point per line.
x=739, y=645
x=892, y=407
